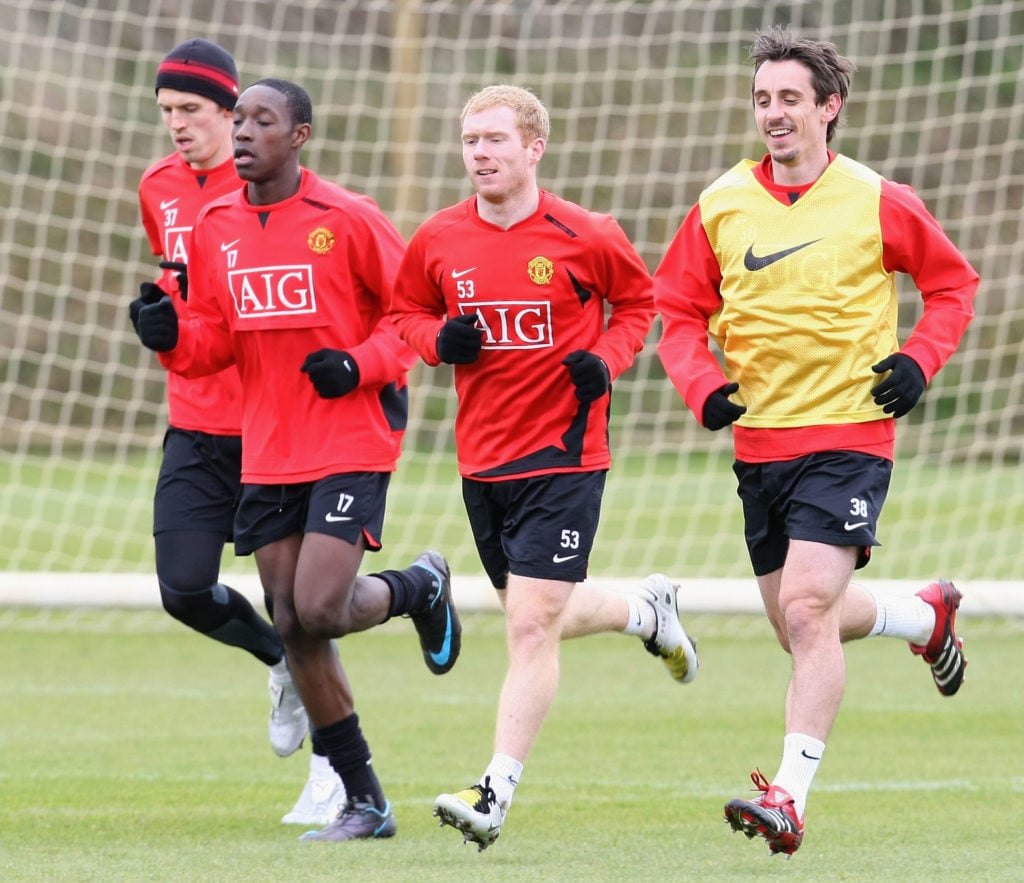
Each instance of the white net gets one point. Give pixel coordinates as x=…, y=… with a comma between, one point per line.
x=649, y=102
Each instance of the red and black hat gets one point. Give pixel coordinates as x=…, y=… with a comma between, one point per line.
x=203, y=68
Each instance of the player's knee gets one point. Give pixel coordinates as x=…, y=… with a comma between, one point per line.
x=333, y=614
x=322, y=620
x=529, y=634
x=287, y=623
x=196, y=608
x=804, y=624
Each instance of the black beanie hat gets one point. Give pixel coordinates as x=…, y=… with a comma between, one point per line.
x=203, y=68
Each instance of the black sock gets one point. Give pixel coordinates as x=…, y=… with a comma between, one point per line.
x=315, y=744
x=349, y=754
x=412, y=589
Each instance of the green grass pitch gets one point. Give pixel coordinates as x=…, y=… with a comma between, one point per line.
x=134, y=750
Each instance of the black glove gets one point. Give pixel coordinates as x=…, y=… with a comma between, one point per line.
x=899, y=392
x=149, y=293
x=181, y=271
x=719, y=412
x=459, y=340
x=589, y=373
x=158, y=325
x=333, y=373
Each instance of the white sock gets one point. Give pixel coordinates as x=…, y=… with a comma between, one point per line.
x=800, y=758
x=504, y=772
x=909, y=619
x=642, y=618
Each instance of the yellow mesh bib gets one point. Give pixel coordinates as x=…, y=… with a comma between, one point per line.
x=807, y=307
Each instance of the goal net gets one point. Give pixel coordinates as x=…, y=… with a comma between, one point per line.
x=649, y=103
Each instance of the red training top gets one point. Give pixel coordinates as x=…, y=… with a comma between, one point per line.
x=540, y=290
x=690, y=281
x=269, y=284
x=171, y=193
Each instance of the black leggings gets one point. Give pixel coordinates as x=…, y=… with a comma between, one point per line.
x=187, y=567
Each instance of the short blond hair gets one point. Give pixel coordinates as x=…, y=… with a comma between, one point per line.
x=532, y=117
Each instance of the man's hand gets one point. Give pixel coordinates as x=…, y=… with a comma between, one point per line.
x=149, y=293
x=181, y=272
x=459, y=340
x=719, y=412
x=899, y=392
x=158, y=325
x=333, y=373
x=589, y=373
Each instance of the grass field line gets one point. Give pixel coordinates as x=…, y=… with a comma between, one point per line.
x=471, y=592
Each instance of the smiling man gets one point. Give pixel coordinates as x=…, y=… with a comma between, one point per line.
x=789, y=265
x=511, y=286
x=290, y=278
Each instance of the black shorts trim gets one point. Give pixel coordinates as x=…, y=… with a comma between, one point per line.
x=542, y=527
x=831, y=497
x=348, y=505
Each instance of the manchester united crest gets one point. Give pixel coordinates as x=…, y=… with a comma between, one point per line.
x=541, y=270
x=321, y=240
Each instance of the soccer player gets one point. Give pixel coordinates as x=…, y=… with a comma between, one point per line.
x=194, y=502
x=511, y=286
x=289, y=277
x=790, y=264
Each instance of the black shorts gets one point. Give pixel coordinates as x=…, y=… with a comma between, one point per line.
x=348, y=505
x=832, y=497
x=541, y=527
x=199, y=482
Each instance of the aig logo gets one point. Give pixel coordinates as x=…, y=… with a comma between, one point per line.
x=272, y=291
x=175, y=239
x=514, y=325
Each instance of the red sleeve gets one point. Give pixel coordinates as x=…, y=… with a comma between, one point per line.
x=204, y=338
x=383, y=356
x=686, y=294
x=417, y=303
x=150, y=224
x=630, y=296
x=914, y=243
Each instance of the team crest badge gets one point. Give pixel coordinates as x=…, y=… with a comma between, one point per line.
x=321, y=240
x=541, y=270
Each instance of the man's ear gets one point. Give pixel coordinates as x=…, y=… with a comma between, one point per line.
x=301, y=134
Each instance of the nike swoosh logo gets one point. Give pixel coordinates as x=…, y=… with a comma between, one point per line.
x=384, y=813
x=561, y=559
x=458, y=273
x=167, y=203
x=752, y=262
x=441, y=656
x=332, y=517
x=224, y=246
x=848, y=526
x=803, y=751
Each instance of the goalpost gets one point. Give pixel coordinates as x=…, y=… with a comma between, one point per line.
x=649, y=102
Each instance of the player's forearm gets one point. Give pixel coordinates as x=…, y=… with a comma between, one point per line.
x=383, y=357
x=625, y=336
x=419, y=331
x=938, y=332
x=199, y=352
